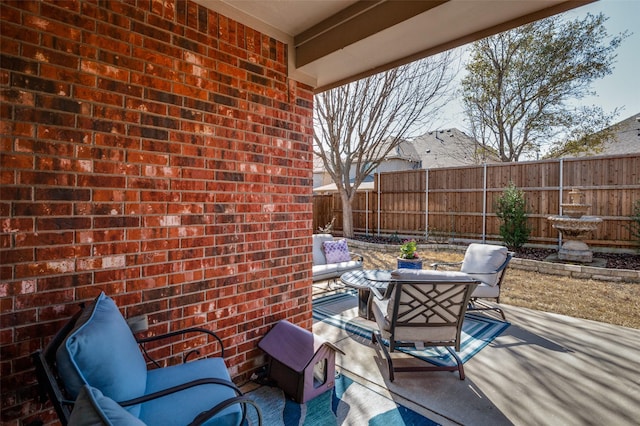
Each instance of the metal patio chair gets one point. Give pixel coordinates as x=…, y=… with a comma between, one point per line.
x=422, y=308
x=94, y=369
x=487, y=263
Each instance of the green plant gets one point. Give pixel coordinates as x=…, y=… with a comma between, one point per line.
x=395, y=238
x=634, y=227
x=512, y=212
x=408, y=249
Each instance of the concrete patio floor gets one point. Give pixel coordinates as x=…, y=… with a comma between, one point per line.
x=545, y=369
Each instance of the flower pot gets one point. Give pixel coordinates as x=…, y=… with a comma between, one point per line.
x=409, y=263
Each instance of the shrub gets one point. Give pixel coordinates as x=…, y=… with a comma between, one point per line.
x=512, y=212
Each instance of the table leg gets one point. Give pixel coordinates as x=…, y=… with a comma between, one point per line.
x=363, y=302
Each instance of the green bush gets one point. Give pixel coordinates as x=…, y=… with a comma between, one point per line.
x=512, y=211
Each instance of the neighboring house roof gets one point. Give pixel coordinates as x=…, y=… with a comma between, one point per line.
x=404, y=150
x=447, y=148
x=626, y=137
x=439, y=148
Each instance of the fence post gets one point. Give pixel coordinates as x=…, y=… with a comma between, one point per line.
x=366, y=212
x=426, y=207
x=378, y=177
x=484, y=203
x=561, y=194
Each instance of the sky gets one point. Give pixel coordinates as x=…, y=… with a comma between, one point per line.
x=619, y=89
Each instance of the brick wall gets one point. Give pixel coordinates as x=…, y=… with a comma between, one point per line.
x=157, y=151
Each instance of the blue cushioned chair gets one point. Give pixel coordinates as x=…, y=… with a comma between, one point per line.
x=95, y=361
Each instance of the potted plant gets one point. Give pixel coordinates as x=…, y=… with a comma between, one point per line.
x=408, y=258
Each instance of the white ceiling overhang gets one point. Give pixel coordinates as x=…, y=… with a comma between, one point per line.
x=333, y=42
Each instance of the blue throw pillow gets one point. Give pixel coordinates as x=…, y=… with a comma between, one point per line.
x=93, y=408
x=102, y=352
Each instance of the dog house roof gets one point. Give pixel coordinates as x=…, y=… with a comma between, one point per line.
x=293, y=346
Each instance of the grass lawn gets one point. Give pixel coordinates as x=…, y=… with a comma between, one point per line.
x=610, y=302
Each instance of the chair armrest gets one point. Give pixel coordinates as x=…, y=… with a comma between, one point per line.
x=375, y=292
x=143, y=340
x=356, y=256
x=436, y=265
x=179, y=388
x=205, y=415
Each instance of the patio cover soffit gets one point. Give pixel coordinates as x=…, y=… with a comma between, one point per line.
x=334, y=42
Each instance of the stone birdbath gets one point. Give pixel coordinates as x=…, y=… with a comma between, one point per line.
x=575, y=226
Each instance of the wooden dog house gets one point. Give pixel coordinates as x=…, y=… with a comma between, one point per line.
x=301, y=364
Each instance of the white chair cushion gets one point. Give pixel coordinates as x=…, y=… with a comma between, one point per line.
x=429, y=275
x=482, y=260
x=321, y=272
x=379, y=308
x=318, y=251
x=484, y=290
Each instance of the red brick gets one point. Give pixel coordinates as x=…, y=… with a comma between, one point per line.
x=150, y=176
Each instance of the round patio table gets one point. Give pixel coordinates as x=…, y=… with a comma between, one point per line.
x=363, y=281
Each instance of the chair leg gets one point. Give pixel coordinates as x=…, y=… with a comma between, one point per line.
x=377, y=338
x=336, y=284
x=484, y=307
x=458, y=361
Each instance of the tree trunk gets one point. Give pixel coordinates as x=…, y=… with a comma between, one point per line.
x=347, y=217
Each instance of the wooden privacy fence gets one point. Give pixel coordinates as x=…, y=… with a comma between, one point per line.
x=449, y=204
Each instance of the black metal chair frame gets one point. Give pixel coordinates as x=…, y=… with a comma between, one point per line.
x=50, y=385
x=417, y=310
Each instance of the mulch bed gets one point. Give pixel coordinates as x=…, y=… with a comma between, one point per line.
x=614, y=260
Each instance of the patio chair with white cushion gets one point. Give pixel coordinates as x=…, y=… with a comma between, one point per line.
x=332, y=258
x=487, y=263
x=422, y=308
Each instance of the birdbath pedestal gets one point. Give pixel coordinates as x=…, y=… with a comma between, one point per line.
x=575, y=226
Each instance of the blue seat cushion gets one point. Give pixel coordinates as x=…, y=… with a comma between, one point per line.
x=102, y=352
x=182, y=407
x=93, y=408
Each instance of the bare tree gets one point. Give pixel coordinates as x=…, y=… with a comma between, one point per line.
x=357, y=125
x=520, y=82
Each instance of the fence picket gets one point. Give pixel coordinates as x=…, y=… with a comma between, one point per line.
x=454, y=203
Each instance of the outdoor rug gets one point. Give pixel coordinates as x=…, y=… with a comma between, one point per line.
x=341, y=310
x=349, y=403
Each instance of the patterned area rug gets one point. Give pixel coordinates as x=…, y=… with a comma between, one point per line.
x=349, y=403
x=340, y=310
